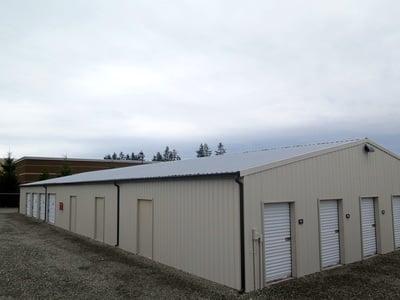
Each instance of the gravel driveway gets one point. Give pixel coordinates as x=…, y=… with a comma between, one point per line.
x=42, y=261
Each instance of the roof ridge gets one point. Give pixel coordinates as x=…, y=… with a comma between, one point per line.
x=306, y=145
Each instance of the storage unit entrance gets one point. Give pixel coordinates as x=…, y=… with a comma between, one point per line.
x=329, y=233
x=368, y=227
x=396, y=220
x=277, y=241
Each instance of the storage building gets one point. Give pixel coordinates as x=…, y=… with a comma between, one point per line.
x=242, y=220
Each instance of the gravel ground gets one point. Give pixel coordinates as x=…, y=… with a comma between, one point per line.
x=42, y=261
x=375, y=278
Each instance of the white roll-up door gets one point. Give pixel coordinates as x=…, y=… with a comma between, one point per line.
x=35, y=212
x=51, y=208
x=329, y=230
x=368, y=226
x=277, y=241
x=396, y=221
x=29, y=204
x=42, y=201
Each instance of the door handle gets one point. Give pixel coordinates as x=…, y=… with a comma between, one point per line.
x=337, y=231
x=287, y=239
x=373, y=225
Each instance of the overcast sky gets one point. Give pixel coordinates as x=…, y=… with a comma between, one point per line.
x=85, y=78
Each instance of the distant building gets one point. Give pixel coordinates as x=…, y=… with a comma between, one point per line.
x=29, y=168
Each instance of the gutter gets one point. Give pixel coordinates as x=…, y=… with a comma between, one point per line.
x=118, y=205
x=239, y=180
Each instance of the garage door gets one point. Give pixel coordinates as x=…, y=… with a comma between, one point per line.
x=277, y=241
x=35, y=211
x=396, y=221
x=329, y=230
x=51, y=208
x=368, y=226
x=29, y=204
x=42, y=205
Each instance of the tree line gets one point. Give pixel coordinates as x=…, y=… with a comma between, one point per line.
x=123, y=156
x=168, y=155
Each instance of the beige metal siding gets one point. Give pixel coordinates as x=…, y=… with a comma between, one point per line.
x=99, y=219
x=72, y=213
x=347, y=175
x=85, y=208
x=145, y=228
x=196, y=225
x=22, y=196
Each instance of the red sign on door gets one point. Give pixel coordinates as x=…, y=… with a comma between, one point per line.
x=61, y=205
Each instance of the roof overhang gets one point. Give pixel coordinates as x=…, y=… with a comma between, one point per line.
x=112, y=181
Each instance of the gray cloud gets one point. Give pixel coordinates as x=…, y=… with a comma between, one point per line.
x=86, y=78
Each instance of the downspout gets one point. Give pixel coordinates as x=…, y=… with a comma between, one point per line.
x=239, y=180
x=45, y=203
x=118, y=189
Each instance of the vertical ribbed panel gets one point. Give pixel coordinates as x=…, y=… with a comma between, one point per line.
x=396, y=221
x=35, y=212
x=52, y=208
x=277, y=242
x=368, y=226
x=29, y=204
x=196, y=225
x=329, y=229
x=42, y=206
x=347, y=175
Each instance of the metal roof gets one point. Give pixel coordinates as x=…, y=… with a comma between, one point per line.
x=214, y=165
x=68, y=159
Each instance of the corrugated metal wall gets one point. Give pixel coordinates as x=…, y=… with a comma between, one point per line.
x=348, y=175
x=196, y=225
x=86, y=194
x=196, y=221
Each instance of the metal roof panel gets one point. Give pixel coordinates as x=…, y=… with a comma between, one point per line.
x=223, y=164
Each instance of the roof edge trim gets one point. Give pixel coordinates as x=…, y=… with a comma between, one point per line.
x=284, y=162
x=223, y=175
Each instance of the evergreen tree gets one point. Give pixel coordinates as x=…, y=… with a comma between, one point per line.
x=221, y=149
x=200, y=152
x=65, y=169
x=133, y=156
x=206, y=150
x=121, y=156
x=167, y=154
x=127, y=157
x=140, y=156
x=8, y=177
x=158, y=157
x=108, y=156
x=174, y=155
x=114, y=156
x=45, y=175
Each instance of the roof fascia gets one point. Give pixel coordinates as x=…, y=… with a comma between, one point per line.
x=284, y=162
